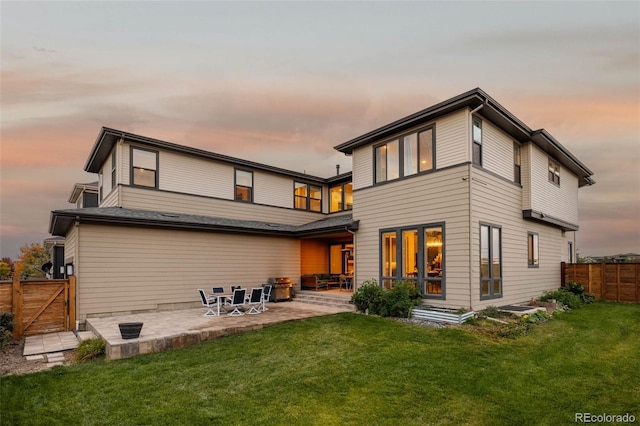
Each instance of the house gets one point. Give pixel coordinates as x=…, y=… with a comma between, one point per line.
x=462, y=199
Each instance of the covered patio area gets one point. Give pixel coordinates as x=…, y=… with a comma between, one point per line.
x=165, y=330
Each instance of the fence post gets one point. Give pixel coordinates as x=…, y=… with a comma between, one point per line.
x=17, y=304
x=72, y=302
x=563, y=271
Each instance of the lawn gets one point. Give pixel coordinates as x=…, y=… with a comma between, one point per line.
x=354, y=369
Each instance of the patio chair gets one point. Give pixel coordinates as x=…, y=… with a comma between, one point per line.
x=266, y=294
x=233, y=287
x=255, y=300
x=206, y=302
x=236, y=301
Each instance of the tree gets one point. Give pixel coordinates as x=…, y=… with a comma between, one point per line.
x=5, y=270
x=32, y=257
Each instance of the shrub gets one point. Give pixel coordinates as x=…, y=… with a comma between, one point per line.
x=536, y=317
x=400, y=300
x=6, y=328
x=579, y=290
x=368, y=296
x=565, y=297
x=89, y=349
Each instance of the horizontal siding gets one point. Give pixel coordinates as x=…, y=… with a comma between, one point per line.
x=362, y=160
x=498, y=202
x=111, y=198
x=525, y=152
x=437, y=197
x=452, y=139
x=192, y=175
x=273, y=190
x=546, y=197
x=146, y=199
x=497, y=150
x=130, y=269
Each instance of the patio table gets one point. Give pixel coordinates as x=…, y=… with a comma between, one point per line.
x=221, y=298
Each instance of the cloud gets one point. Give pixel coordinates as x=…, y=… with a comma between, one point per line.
x=43, y=50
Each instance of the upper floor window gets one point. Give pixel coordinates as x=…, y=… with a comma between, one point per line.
x=341, y=197
x=307, y=197
x=244, y=186
x=517, y=164
x=477, y=141
x=113, y=168
x=144, y=168
x=554, y=172
x=532, y=250
x=408, y=155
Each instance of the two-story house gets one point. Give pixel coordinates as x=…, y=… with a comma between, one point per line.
x=461, y=198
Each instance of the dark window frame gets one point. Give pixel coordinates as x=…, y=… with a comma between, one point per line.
x=401, y=166
x=421, y=279
x=476, y=151
x=533, y=249
x=308, y=199
x=343, y=194
x=236, y=185
x=132, y=167
x=517, y=163
x=554, y=172
x=113, y=168
x=491, y=278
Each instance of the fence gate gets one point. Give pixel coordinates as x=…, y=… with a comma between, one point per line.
x=40, y=306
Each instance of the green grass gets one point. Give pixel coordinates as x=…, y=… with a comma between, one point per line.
x=354, y=369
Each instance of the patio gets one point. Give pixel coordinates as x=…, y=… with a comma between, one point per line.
x=165, y=330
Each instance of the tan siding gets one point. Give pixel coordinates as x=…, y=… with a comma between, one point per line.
x=130, y=269
x=125, y=156
x=146, y=199
x=192, y=175
x=110, y=199
x=525, y=151
x=546, y=197
x=497, y=202
x=497, y=150
x=437, y=197
x=362, y=159
x=452, y=139
x=273, y=190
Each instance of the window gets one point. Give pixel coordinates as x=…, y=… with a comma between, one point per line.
x=477, y=142
x=144, y=168
x=113, y=168
x=490, y=261
x=554, y=172
x=570, y=247
x=307, y=197
x=341, y=197
x=419, y=258
x=532, y=250
x=244, y=186
x=517, y=164
x=411, y=154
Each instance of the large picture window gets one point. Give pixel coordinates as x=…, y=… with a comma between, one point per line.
x=490, y=261
x=414, y=254
x=144, y=168
x=307, y=197
x=411, y=154
x=244, y=186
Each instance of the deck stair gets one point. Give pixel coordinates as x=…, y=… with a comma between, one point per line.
x=325, y=298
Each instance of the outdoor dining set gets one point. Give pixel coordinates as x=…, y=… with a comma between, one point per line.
x=238, y=302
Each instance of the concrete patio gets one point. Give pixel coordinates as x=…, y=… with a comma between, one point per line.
x=166, y=330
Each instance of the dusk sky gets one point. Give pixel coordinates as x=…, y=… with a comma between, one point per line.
x=283, y=83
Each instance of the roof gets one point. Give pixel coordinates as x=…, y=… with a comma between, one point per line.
x=107, y=138
x=79, y=188
x=494, y=112
x=62, y=220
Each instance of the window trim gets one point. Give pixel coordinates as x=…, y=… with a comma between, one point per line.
x=555, y=178
x=533, y=244
x=420, y=278
x=132, y=167
x=517, y=163
x=307, y=197
x=113, y=168
x=401, y=166
x=343, y=194
x=476, y=143
x=235, y=185
x=491, y=278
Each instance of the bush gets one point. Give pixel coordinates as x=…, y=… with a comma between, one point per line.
x=579, y=290
x=89, y=349
x=565, y=297
x=6, y=328
x=368, y=296
x=396, y=302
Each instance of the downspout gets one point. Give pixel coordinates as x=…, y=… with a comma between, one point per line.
x=470, y=152
x=76, y=261
x=354, y=257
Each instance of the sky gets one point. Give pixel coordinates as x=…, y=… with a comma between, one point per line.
x=282, y=83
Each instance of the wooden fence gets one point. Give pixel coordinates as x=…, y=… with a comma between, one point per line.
x=40, y=306
x=618, y=282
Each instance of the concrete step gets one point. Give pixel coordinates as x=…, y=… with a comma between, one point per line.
x=327, y=299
